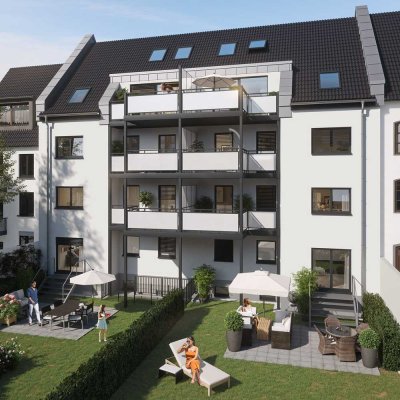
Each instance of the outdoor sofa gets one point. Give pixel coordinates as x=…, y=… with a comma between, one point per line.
x=281, y=331
x=210, y=376
x=23, y=300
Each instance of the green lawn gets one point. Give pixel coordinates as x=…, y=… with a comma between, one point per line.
x=250, y=380
x=48, y=361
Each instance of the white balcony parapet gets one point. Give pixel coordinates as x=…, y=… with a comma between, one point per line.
x=196, y=221
x=211, y=161
x=117, y=110
x=148, y=219
x=260, y=219
x=259, y=162
x=261, y=104
x=149, y=161
x=155, y=103
x=117, y=215
x=211, y=100
x=117, y=163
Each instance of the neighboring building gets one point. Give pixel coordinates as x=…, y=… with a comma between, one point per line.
x=308, y=137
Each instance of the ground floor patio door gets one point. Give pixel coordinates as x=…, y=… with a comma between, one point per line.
x=69, y=252
x=333, y=267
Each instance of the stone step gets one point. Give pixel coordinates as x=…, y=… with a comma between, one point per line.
x=321, y=305
x=337, y=297
x=340, y=314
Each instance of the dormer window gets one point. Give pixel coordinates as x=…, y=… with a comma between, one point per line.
x=79, y=95
x=329, y=80
x=158, y=55
x=227, y=49
x=14, y=115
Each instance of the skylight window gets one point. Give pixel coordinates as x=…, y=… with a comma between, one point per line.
x=257, y=44
x=183, y=52
x=227, y=49
x=329, y=80
x=79, y=95
x=158, y=55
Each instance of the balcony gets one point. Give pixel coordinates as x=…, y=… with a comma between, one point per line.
x=153, y=103
x=117, y=111
x=17, y=115
x=254, y=220
x=253, y=161
x=208, y=100
x=117, y=163
x=3, y=226
x=210, y=221
x=152, y=160
x=117, y=215
x=211, y=161
x=261, y=104
x=148, y=218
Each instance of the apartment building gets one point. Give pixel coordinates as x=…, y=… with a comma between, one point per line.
x=291, y=164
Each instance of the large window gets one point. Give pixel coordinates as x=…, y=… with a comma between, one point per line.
x=223, y=250
x=331, y=201
x=223, y=142
x=331, y=141
x=332, y=267
x=167, y=143
x=69, y=147
x=166, y=247
x=132, y=246
x=266, y=252
x=255, y=85
x=132, y=143
x=397, y=196
x=26, y=238
x=266, y=142
x=167, y=198
x=224, y=199
x=15, y=115
x=26, y=204
x=132, y=196
x=266, y=198
x=69, y=252
x=26, y=166
x=397, y=138
x=69, y=197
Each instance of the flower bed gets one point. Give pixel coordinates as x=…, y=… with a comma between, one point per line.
x=10, y=354
x=9, y=308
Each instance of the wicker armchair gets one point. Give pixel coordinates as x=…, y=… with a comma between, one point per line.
x=326, y=345
x=330, y=320
x=345, y=348
x=362, y=327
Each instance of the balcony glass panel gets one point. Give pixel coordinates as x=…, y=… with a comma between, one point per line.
x=14, y=115
x=152, y=219
x=216, y=222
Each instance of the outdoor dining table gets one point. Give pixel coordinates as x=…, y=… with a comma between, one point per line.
x=341, y=331
x=63, y=310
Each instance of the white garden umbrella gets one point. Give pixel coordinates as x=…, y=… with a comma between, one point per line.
x=261, y=283
x=92, y=277
x=214, y=81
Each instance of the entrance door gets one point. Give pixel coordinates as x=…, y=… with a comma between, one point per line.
x=224, y=198
x=69, y=252
x=333, y=268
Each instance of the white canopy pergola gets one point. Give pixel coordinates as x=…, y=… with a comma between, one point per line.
x=92, y=277
x=261, y=283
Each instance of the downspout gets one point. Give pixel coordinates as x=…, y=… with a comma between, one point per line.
x=48, y=193
x=363, y=195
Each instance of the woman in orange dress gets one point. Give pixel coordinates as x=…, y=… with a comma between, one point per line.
x=192, y=358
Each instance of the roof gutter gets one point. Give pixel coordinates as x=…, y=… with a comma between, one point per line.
x=86, y=114
x=329, y=102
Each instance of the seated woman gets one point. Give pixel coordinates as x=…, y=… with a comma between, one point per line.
x=192, y=358
x=167, y=87
x=246, y=307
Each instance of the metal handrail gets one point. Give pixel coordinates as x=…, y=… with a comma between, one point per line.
x=69, y=275
x=309, y=303
x=354, y=294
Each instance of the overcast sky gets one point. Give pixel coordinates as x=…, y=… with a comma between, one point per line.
x=36, y=32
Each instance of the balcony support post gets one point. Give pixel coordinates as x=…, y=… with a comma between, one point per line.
x=241, y=182
x=124, y=240
x=180, y=164
x=125, y=147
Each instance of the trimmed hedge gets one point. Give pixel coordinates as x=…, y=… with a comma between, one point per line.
x=380, y=318
x=106, y=370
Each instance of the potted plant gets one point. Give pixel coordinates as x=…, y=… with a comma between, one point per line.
x=120, y=94
x=369, y=341
x=197, y=146
x=117, y=147
x=248, y=203
x=204, y=204
x=204, y=277
x=234, y=329
x=146, y=198
x=9, y=308
x=306, y=284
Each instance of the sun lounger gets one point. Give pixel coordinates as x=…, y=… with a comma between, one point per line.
x=210, y=376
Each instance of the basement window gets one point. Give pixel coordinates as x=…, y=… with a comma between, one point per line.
x=183, y=52
x=158, y=55
x=329, y=80
x=79, y=95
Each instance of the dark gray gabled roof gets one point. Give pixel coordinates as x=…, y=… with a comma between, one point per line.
x=27, y=82
x=387, y=33
x=314, y=47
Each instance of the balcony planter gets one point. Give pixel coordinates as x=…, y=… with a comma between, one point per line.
x=146, y=199
x=9, y=320
x=234, y=330
x=369, y=342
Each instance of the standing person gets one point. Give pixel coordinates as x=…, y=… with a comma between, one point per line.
x=33, y=302
x=102, y=323
x=192, y=358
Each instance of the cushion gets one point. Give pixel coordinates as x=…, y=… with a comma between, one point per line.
x=279, y=315
x=285, y=321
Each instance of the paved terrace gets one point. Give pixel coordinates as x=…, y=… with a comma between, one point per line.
x=74, y=332
x=304, y=353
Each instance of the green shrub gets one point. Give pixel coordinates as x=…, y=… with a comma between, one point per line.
x=146, y=198
x=248, y=203
x=204, y=203
x=10, y=354
x=204, y=277
x=22, y=258
x=369, y=339
x=233, y=321
x=120, y=94
x=24, y=278
x=305, y=282
x=106, y=370
x=381, y=320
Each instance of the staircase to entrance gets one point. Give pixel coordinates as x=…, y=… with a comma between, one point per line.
x=52, y=287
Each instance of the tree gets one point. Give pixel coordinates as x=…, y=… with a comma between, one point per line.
x=9, y=185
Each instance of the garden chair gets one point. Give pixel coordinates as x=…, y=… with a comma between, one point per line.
x=330, y=320
x=345, y=348
x=210, y=376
